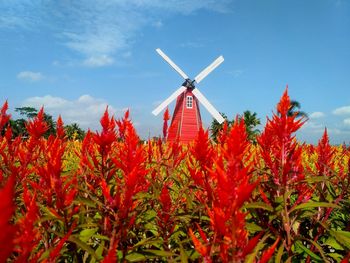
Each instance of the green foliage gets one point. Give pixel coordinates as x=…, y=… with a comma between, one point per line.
x=18, y=126
x=251, y=122
x=74, y=132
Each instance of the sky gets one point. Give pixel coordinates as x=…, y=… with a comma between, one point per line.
x=76, y=57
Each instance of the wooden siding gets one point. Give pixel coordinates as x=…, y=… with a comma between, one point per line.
x=185, y=122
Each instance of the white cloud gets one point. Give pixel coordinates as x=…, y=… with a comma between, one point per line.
x=346, y=122
x=316, y=115
x=342, y=110
x=30, y=75
x=313, y=127
x=86, y=110
x=100, y=31
x=98, y=61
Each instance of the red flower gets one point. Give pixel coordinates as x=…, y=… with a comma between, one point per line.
x=7, y=208
x=267, y=254
x=4, y=117
x=201, y=248
x=166, y=117
x=325, y=153
x=60, y=128
x=107, y=135
x=37, y=127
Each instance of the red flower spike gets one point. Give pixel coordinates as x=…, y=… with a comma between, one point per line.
x=37, y=127
x=4, y=117
x=7, y=208
x=165, y=199
x=202, y=234
x=223, y=133
x=267, y=254
x=202, y=150
x=325, y=153
x=60, y=128
x=279, y=148
x=106, y=191
x=284, y=105
x=201, y=249
x=252, y=244
x=27, y=235
x=107, y=135
x=166, y=117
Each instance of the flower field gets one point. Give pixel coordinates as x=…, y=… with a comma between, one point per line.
x=111, y=198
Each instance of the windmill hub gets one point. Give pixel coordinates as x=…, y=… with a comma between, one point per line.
x=189, y=84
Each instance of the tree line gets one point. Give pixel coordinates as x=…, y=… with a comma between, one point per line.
x=74, y=132
x=18, y=126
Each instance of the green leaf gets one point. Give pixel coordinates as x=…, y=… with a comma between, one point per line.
x=316, y=179
x=45, y=255
x=148, y=241
x=335, y=256
x=279, y=254
x=47, y=218
x=307, y=251
x=160, y=253
x=251, y=227
x=319, y=249
x=183, y=255
x=342, y=237
x=97, y=216
x=333, y=243
x=310, y=205
x=260, y=205
x=50, y=214
x=99, y=250
x=136, y=257
x=82, y=245
x=85, y=201
x=86, y=234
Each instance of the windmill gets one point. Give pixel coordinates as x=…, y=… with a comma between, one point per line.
x=186, y=120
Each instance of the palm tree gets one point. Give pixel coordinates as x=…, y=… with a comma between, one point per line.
x=251, y=121
x=295, y=110
x=74, y=132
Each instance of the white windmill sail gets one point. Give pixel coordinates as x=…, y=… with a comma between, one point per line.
x=171, y=63
x=209, y=69
x=208, y=106
x=169, y=100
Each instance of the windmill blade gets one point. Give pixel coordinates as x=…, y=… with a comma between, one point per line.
x=208, y=105
x=209, y=69
x=171, y=63
x=169, y=100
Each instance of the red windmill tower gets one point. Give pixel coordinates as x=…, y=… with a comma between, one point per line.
x=186, y=120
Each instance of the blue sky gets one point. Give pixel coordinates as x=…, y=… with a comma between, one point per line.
x=76, y=57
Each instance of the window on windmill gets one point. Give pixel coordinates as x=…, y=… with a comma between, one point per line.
x=189, y=102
